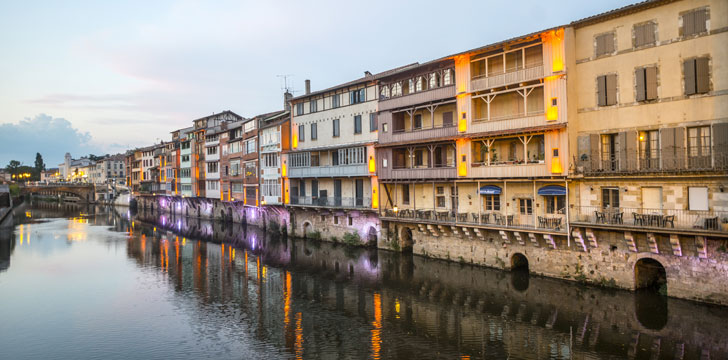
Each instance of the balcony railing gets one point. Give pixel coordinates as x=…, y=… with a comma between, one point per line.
x=550, y=222
x=329, y=171
x=438, y=172
x=595, y=163
x=483, y=82
x=657, y=219
x=332, y=201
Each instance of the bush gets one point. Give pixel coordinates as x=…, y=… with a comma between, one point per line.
x=352, y=239
x=14, y=189
x=314, y=235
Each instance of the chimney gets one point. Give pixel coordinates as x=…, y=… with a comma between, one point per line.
x=308, y=86
x=287, y=100
x=367, y=74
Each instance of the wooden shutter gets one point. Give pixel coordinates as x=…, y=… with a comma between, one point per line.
x=702, y=78
x=700, y=18
x=720, y=139
x=609, y=43
x=689, y=23
x=679, y=144
x=595, y=143
x=622, y=150
x=447, y=118
x=651, y=83
x=602, y=91
x=611, y=89
x=631, y=150
x=639, y=75
x=667, y=148
x=689, y=73
x=600, y=45
x=583, y=150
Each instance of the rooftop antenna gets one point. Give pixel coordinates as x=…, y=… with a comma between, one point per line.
x=286, y=86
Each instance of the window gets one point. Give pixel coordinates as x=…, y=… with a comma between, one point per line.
x=234, y=147
x=610, y=198
x=649, y=149
x=185, y=158
x=384, y=93
x=419, y=84
x=185, y=145
x=385, y=127
x=646, y=80
x=351, y=221
x=335, y=100
x=491, y=202
x=301, y=133
x=652, y=198
x=314, y=131
x=270, y=160
x=314, y=159
x=697, y=77
x=212, y=167
x=249, y=126
x=313, y=106
x=440, y=198
x=384, y=162
x=235, y=167
x=411, y=86
x=357, y=124
x=250, y=147
x=397, y=89
x=336, y=220
x=335, y=125
x=699, y=146
x=212, y=150
x=184, y=173
x=299, y=109
x=213, y=185
x=695, y=22
x=609, y=156
x=357, y=96
x=605, y=44
x=419, y=158
x=644, y=34
x=271, y=188
x=250, y=169
x=418, y=121
x=405, y=194
x=373, y=122
x=698, y=198
x=525, y=206
x=607, y=90
x=447, y=77
x=238, y=187
x=434, y=80
x=556, y=204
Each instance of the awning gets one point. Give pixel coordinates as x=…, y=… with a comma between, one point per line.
x=552, y=190
x=490, y=190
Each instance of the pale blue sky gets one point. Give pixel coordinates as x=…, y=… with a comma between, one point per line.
x=104, y=76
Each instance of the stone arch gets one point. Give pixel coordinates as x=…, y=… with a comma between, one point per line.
x=406, y=239
x=230, y=214
x=519, y=262
x=649, y=273
x=307, y=228
x=372, y=236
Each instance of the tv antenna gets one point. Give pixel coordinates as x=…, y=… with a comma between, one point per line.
x=285, y=86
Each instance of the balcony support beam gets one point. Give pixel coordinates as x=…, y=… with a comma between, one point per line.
x=629, y=241
x=652, y=240
x=579, y=240
x=592, y=238
x=701, y=247
x=533, y=239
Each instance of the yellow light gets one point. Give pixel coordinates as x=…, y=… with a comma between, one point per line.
x=552, y=113
x=463, y=122
x=284, y=169
x=375, y=199
x=642, y=138
x=555, y=162
x=294, y=141
x=462, y=169
x=372, y=165
x=395, y=209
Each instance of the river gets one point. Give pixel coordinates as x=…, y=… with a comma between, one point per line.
x=101, y=283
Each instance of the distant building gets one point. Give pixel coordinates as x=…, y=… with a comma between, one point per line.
x=74, y=169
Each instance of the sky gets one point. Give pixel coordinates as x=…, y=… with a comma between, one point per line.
x=106, y=76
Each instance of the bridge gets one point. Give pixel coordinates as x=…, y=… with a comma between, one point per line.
x=84, y=192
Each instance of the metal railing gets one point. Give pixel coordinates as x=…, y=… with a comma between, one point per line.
x=422, y=128
x=332, y=201
x=662, y=219
x=550, y=222
x=595, y=163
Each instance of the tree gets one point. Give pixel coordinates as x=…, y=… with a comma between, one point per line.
x=39, y=165
x=13, y=166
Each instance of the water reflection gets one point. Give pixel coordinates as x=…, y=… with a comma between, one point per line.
x=304, y=299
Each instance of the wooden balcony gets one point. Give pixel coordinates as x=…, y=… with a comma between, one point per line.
x=417, y=173
x=417, y=98
x=479, y=83
x=519, y=121
x=421, y=134
x=509, y=170
x=329, y=171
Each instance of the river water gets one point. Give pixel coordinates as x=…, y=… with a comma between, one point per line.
x=101, y=283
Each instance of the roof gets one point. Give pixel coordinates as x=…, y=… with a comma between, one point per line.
x=218, y=114
x=611, y=14
x=361, y=80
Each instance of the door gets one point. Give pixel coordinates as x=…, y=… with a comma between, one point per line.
x=294, y=194
x=651, y=198
x=359, y=184
x=314, y=192
x=447, y=119
x=337, y=192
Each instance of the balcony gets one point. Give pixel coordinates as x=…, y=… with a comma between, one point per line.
x=332, y=202
x=270, y=172
x=492, y=220
x=486, y=82
x=329, y=171
x=658, y=220
x=401, y=135
x=417, y=98
x=440, y=172
x=509, y=170
x=595, y=163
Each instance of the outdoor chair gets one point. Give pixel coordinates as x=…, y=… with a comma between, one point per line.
x=638, y=219
x=669, y=219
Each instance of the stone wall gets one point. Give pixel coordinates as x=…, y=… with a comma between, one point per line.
x=333, y=225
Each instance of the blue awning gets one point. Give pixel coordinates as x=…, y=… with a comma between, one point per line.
x=490, y=190
x=552, y=190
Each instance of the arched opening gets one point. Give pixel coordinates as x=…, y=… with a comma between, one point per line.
x=230, y=215
x=372, y=236
x=519, y=262
x=222, y=215
x=306, y=229
x=650, y=274
x=407, y=241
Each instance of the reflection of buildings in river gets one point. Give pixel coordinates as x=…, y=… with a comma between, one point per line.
x=7, y=244
x=411, y=305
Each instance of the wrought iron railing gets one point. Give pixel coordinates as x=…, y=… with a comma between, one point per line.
x=596, y=163
x=551, y=222
x=661, y=219
x=332, y=201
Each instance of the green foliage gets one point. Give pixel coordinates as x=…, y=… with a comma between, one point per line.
x=352, y=239
x=500, y=262
x=39, y=164
x=314, y=235
x=334, y=239
x=394, y=245
x=14, y=190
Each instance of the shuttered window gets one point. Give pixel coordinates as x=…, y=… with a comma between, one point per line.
x=605, y=44
x=697, y=76
x=314, y=131
x=646, y=80
x=695, y=22
x=336, y=127
x=644, y=34
x=607, y=90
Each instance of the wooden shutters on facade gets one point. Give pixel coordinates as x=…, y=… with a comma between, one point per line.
x=672, y=148
x=607, y=90
x=605, y=44
x=695, y=22
x=646, y=80
x=644, y=34
x=720, y=139
x=697, y=76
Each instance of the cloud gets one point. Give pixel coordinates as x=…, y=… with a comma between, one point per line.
x=52, y=137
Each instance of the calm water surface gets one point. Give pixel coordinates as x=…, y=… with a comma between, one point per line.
x=98, y=283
